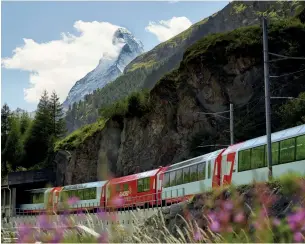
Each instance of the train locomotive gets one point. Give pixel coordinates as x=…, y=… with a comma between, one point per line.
x=237, y=164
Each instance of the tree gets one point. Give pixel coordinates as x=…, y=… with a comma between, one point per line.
x=13, y=151
x=25, y=122
x=37, y=140
x=57, y=115
x=292, y=113
x=5, y=127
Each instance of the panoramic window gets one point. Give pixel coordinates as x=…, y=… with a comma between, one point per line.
x=179, y=177
x=201, y=171
x=210, y=168
x=166, y=182
x=140, y=185
x=300, y=147
x=186, y=175
x=172, y=178
x=194, y=174
x=244, y=158
x=258, y=157
x=125, y=187
x=146, y=185
x=287, y=151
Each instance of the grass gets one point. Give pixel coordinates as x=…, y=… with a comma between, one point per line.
x=77, y=137
x=244, y=215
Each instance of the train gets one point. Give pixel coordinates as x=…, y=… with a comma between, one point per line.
x=236, y=164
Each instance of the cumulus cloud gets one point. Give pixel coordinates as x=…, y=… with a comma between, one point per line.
x=166, y=29
x=58, y=64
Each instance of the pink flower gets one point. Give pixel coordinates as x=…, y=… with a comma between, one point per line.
x=73, y=200
x=101, y=214
x=197, y=236
x=118, y=201
x=224, y=217
x=239, y=217
x=103, y=238
x=228, y=205
x=298, y=237
x=276, y=222
x=215, y=226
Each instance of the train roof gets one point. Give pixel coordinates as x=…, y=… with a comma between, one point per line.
x=137, y=176
x=85, y=185
x=262, y=140
x=192, y=161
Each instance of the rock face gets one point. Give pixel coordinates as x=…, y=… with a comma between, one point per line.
x=108, y=69
x=218, y=70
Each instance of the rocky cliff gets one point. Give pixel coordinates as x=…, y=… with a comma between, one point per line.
x=146, y=69
x=217, y=70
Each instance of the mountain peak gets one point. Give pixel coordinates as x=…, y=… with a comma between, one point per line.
x=108, y=68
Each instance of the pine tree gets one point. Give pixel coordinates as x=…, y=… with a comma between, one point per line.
x=25, y=122
x=37, y=140
x=56, y=111
x=13, y=151
x=5, y=127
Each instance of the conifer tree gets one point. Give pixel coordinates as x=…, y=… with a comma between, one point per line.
x=5, y=127
x=57, y=116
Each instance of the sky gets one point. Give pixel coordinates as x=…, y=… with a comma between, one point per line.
x=51, y=45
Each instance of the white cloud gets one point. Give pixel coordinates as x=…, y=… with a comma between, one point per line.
x=58, y=64
x=166, y=29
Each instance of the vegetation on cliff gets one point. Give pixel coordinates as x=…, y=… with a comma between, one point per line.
x=145, y=70
x=213, y=51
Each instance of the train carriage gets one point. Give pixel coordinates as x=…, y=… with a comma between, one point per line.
x=91, y=195
x=187, y=178
x=33, y=201
x=141, y=189
x=247, y=161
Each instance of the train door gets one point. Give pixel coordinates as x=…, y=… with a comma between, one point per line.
x=54, y=199
x=228, y=166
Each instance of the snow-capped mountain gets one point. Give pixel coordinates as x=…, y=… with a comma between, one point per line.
x=109, y=68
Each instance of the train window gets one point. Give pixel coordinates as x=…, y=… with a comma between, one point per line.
x=201, y=171
x=186, y=175
x=244, y=160
x=194, y=174
x=125, y=187
x=166, y=182
x=179, y=177
x=287, y=150
x=173, y=178
x=300, y=148
x=146, y=185
x=118, y=188
x=209, y=169
x=258, y=157
x=140, y=185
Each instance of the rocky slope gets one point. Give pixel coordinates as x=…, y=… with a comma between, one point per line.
x=108, y=69
x=217, y=70
x=148, y=68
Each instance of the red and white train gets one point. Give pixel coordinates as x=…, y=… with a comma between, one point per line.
x=237, y=164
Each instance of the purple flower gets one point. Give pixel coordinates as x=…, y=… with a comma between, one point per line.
x=73, y=200
x=197, y=236
x=276, y=222
x=212, y=216
x=224, y=217
x=103, y=238
x=43, y=222
x=215, y=226
x=228, y=205
x=298, y=237
x=101, y=214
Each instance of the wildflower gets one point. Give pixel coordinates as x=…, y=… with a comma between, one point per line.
x=43, y=222
x=215, y=226
x=298, y=237
x=73, y=200
x=197, y=236
x=239, y=217
x=276, y=222
x=117, y=201
x=228, y=205
x=103, y=238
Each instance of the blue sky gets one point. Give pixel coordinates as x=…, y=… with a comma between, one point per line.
x=44, y=22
